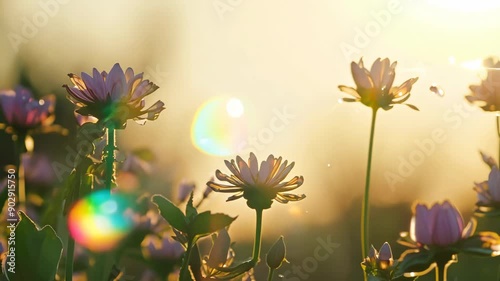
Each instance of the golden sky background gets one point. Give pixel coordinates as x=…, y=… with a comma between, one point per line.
x=277, y=54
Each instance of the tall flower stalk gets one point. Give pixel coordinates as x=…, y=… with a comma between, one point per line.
x=259, y=186
x=25, y=116
x=374, y=89
x=110, y=155
x=487, y=94
x=111, y=98
x=365, y=208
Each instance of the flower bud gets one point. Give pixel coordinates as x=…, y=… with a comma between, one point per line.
x=220, y=249
x=385, y=256
x=276, y=254
x=185, y=189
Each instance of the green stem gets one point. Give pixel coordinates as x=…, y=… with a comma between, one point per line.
x=70, y=251
x=200, y=202
x=184, y=274
x=366, y=198
x=69, y=258
x=20, y=149
x=258, y=236
x=110, y=156
x=270, y=274
x=441, y=271
x=498, y=134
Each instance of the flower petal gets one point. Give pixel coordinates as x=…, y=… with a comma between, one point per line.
x=245, y=173
x=361, y=76
x=223, y=188
x=349, y=90
x=494, y=184
x=448, y=225
x=234, y=197
x=422, y=224
x=294, y=183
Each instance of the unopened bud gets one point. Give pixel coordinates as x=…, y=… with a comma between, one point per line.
x=276, y=254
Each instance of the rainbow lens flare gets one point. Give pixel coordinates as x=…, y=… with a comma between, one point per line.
x=99, y=222
x=220, y=127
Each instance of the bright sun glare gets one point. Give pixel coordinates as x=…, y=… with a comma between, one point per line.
x=466, y=5
x=234, y=108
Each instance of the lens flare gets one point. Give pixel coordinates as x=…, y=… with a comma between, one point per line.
x=220, y=127
x=98, y=221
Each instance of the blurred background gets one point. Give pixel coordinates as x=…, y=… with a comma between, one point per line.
x=239, y=76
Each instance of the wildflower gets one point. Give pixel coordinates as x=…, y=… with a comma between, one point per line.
x=379, y=263
x=374, y=87
x=259, y=186
x=488, y=160
x=221, y=255
x=487, y=94
x=162, y=247
x=24, y=115
x=441, y=225
x=437, y=235
x=115, y=96
x=488, y=192
x=208, y=190
x=38, y=169
x=184, y=190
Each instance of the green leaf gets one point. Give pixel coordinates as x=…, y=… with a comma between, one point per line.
x=227, y=273
x=414, y=261
x=90, y=131
x=78, y=184
x=191, y=211
x=376, y=278
x=36, y=253
x=170, y=213
x=481, y=244
x=206, y=223
x=102, y=269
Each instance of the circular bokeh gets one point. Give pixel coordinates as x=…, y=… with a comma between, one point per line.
x=99, y=222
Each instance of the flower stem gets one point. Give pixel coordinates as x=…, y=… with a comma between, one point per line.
x=366, y=198
x=184, y=274
x=258, y=236
x=20, y=149
x=110, y=156
x=441, y=271
x=270, y=274
x=69, y=258
x=70, y=250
